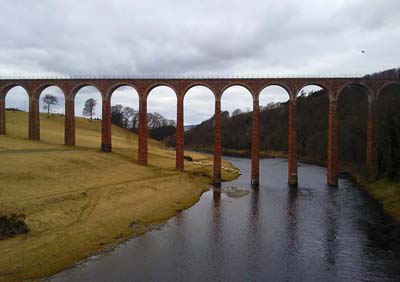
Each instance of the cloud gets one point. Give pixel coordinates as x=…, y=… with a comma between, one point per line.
x=198, y=37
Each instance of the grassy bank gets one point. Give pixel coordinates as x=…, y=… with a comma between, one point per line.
x=386, y=192
x=241, y=153
x=80, y=200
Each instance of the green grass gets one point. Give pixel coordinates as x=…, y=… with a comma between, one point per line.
x=388, y=194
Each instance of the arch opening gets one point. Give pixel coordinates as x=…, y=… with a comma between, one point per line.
x=17, y=111
x=161, y=118
x=52, y=117
x=312, y=123
x=352, y=125
x=388, y=132
x=125, y=119
x=198, y=117
x=88, y=114
x=236, y=119
x=274, y=121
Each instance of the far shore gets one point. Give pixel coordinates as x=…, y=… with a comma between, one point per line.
x=386, y=192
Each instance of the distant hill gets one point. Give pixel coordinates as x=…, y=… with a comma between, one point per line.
x=188, y=127
x=14, y=110
x=391, y=73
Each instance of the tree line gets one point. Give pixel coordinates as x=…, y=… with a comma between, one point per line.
x=312, y=131
x=160, y=128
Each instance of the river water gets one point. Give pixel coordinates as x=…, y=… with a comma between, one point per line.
x=274, y=233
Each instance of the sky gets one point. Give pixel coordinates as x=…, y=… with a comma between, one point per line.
x=208, y=37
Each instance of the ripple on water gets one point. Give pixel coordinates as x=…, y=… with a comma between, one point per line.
x=273, y=233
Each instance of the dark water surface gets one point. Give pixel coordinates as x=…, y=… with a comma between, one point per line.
x=275, y=233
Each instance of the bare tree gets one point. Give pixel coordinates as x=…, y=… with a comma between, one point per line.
x=154, y=120
x=49, y=100
x=135, y=119
x=128, y=113
x=171, y=122
x=236, y=112
x=116, y=115
x=88, y=110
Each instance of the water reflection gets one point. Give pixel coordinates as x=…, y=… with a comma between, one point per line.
x=292, y=221
x=254, y=235
x=291, y=242
x=217, y=196
x=330, y=242
x=273, y=233
x=216, y=245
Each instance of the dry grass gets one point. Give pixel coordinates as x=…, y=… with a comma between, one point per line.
x=79, y=200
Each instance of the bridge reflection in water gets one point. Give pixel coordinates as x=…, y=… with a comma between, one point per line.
x=274, y=233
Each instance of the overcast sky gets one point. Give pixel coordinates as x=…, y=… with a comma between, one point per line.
x=50, y=37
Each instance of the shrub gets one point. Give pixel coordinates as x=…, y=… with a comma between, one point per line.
x=12, y=225
x=188, y=158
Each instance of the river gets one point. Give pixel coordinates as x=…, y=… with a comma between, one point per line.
x=273, y=233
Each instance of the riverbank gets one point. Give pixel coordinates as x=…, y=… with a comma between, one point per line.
x=240, y=153
x=386, y=192
x=244, y=239
x=78, y=201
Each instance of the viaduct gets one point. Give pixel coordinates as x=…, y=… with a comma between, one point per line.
x=106, y=86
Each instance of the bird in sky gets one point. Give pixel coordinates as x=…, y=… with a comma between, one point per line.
x=363, y=51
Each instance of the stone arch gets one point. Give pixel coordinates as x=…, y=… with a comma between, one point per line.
x=197, y=84
x=240, y=84
x=96, y=91
x=313, y=121
x=315, y=83
x=385, y=86
x=162, y=100
x=322, y=86
x=274, y=85
x=240, y=141
x=24, y=97
x=278, y=84
x=41, y=90
x=44, y=86
x=160, y=90
x=80, y=86
x=46, y=129
x=366, y=89
x=274, y=135
x=12, y=88
x=280, y=135
x=128, y=97
x=113, y=88
x=197, y=106
x=190, y=92
x=94, y=128
x=5, y=89
x=352, y=120
x=160, y=84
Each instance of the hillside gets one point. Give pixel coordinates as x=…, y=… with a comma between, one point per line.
x=79, y=200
